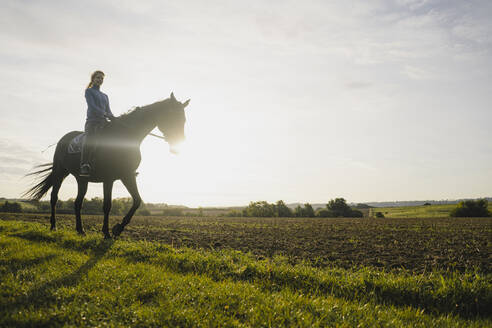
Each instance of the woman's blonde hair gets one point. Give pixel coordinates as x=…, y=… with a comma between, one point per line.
x=93, y=75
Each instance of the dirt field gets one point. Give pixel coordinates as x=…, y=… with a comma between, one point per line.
x=418, y=245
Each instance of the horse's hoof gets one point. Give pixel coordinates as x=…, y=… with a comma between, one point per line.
x=81, y=232
x=53, y=228
x=117, y=229
x=107, y=236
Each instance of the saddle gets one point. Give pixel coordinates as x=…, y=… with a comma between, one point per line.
x=75, y=145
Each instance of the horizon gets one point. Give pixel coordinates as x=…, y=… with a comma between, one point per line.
x=312, y=101
x=289, y=203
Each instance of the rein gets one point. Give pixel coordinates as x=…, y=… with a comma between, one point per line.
x=151, y=134
x=157, y=136
x=127, y=126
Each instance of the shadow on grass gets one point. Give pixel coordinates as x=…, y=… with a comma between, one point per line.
x=14, y=265
x=465, y=305
x=43, y=296
x=76, y=244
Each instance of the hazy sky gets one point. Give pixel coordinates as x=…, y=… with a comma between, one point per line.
x=293, y=100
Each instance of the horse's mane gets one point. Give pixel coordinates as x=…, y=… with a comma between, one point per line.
x=137, y=109
x=131, y=111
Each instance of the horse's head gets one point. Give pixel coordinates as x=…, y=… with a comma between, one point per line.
x=172, y=123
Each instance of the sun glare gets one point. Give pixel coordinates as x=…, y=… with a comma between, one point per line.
x=202, y=167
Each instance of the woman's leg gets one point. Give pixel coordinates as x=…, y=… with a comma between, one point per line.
x=87, y=148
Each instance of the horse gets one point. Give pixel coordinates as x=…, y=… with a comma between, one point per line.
x=116, y=157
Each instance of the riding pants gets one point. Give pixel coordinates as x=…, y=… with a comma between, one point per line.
x=92, y=129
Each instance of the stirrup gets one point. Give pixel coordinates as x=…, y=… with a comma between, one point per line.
x=85, y=170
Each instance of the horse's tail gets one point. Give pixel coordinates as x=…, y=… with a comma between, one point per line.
x=41, y=188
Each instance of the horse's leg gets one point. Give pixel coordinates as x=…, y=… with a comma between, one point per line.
x=130, y=183
x=58, y=176
x=108, y=188
x=82, y=190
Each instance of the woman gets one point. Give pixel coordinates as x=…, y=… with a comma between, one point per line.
x=98, y=112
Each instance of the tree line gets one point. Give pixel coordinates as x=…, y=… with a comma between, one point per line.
x=120, y=206
x=334, y=208
x=337, y=207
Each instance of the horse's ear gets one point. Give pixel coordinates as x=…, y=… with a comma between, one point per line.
x=172, y=96
x=186, y=103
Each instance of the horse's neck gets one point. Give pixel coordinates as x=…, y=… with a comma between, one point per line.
x=140, y=123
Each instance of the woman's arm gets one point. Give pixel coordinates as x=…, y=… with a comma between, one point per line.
x=108, y=110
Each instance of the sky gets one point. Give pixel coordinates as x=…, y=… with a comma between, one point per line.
x=300, y=101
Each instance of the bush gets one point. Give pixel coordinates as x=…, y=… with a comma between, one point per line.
x=356, y=214
x=471, y=208
x=338, y=208
x=379, y=215
x=324, y=213
x=11, y=207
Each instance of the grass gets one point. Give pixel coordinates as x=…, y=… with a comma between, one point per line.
x=416, y=245
x=62, y=279
x=432, y=211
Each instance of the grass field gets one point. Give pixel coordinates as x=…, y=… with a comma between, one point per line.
x=432, y=211
x=417, y=245
x=62, y=279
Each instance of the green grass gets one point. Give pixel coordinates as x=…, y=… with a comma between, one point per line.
x=62, y=279
x=432, y=211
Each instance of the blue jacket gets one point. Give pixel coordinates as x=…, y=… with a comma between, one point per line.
x=97, y=105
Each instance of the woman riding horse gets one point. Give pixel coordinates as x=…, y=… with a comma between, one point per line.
x=98, y=112
x=117, y=157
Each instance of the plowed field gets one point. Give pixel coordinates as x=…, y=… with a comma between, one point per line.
x=418, y=245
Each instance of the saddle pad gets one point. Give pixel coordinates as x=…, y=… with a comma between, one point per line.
x=75, y=145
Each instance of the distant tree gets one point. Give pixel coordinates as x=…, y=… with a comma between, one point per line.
x=379, y=215
x=121, y=206
x=427, y=204
x=308, y=210
x=471, y=208
x=11, y=207
x=282, y=210
x=68, y=205
x=339, y=208
x=298, y=211
x=305, y=212
x=44, y=207
x=92, y=206
x=260, y=209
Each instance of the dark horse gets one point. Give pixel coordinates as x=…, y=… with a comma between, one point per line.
x=117, y=156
